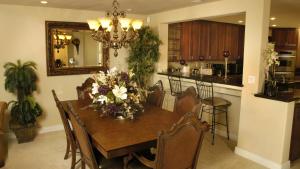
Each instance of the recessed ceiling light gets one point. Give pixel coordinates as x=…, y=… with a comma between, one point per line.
x=272, y=18
x=240, y=21
x=196, y=1
x=44, y=2
x=274, y=25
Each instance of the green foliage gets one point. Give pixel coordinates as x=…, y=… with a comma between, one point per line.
x=143, y=54
x=21, y=80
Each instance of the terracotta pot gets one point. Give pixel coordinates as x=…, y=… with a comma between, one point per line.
x=25, y=133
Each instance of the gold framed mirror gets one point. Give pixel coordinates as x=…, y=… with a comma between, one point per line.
x=71, y=49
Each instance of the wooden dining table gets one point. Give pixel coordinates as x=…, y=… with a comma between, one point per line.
x=114, y=137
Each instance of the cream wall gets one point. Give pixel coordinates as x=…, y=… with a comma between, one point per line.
x=265, y=126
x=22, y=33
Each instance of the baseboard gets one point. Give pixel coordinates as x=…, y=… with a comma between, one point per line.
x=260, y=160
x=224, y=134
x=41, y=130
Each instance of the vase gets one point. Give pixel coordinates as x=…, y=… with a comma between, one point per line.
x=270, y=89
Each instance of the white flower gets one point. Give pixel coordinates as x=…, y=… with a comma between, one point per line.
x=131, y=74
x=95, y=88
x=120, y=92
x=112, y=72
x=102, y=99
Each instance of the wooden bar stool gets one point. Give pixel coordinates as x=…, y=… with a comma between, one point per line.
x=212, y=105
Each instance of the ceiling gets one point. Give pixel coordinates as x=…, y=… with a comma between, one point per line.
x=287, y=12
x=134, y=6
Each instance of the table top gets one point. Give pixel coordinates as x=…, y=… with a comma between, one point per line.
x=114, y=137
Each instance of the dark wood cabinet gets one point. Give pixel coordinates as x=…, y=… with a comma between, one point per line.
x=186, y=40
x=285, y=38
x=206, y=39
x=295, y=141
x=174, y=42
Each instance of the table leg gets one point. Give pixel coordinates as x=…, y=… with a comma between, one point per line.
x=126, y=160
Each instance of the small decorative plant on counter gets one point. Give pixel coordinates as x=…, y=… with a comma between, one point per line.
x=271, y=58
x=21, y=80
x=117, y=94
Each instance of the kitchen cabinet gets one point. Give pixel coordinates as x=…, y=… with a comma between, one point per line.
x=186, y=40
x=174, y=44
x=295, y=141
x=285, y=38
x=226, y=37
x=200, y=40
x=206, y=39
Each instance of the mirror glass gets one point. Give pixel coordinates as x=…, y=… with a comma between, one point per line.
x=76, y=48
x=72, y=50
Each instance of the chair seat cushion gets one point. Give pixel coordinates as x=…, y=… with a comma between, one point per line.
x=216, y=101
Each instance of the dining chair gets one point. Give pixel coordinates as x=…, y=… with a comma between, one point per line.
x=88, y=156
x=212, y=105
x=71, y=142
x=84, y=90
x=187, y=102
x=179, y=147
x=156, y=95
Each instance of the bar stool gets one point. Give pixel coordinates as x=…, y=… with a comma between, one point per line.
x=212, y=105
x=175, y=85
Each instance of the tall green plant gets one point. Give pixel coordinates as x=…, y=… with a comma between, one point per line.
x=143, y=54
x=21, y=80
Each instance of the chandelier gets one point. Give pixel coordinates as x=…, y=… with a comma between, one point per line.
x=61, y=40
x=106, y=30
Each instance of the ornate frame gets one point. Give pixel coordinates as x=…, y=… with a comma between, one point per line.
x=51, y=69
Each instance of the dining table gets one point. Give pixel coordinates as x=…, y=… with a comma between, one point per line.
x=114, y=137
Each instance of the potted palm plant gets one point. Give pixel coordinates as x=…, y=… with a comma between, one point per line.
x=21, y=79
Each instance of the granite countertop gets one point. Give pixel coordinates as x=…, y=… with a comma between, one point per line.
x=284, y=96
x=233, y=80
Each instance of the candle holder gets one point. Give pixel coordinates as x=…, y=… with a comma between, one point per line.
x=226, y=54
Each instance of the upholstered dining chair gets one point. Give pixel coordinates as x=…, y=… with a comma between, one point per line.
x=84, y=90
x=173, y=149
x=88, y=156
x=187, y=102
x=71, y=142
x=156, y=95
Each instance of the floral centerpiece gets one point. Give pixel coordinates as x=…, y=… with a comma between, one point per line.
x=117, y=94
x=271, y=59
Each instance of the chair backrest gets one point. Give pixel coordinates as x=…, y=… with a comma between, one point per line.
x=205, y=90
x=179, y=147
x=175, y=85
x=156, y=95
x=187, y=101
x=87, y=154
x=84, y=90
x=64, y=119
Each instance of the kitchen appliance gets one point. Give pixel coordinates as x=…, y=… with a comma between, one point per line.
x=285, y=71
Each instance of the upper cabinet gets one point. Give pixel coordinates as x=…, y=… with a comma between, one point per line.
x=208, y=40
x=285, y=38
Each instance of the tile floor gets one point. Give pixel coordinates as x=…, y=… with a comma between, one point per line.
x=47, y=152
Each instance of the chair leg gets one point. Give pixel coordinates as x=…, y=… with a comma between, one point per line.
x=73, y=162
x=227, y=126
x=68, y=149
x=82, y=164
x=201, y=111
x=213, y=126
